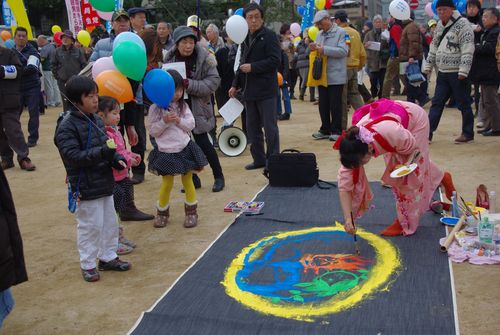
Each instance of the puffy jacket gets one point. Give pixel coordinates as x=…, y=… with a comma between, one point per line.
x=357, y=53
x=302, y=52
x=121, y=148
x=93, y=164
x=410, y=45
x=262, y=51
x=67, y=62
x=30, y=74
x=10, y=88
x=336, y=50
x=12, y=266
x=103, y=48
x=484, y=67
x=202, y=85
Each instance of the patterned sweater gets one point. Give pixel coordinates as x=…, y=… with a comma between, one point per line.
x=457, y=47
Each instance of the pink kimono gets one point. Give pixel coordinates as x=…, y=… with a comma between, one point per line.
x=413, y=193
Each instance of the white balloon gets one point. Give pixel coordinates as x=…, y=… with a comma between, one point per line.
x=237, y=28
x=399, y=9
x=129, y=36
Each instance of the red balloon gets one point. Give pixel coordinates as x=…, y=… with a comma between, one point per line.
x=328, y=4
x=57, y=38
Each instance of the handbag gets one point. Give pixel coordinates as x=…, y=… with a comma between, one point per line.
x=292, y=168
x=317, y=68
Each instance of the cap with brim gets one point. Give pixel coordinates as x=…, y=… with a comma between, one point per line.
x=69, y=34
x=183, y=32
x=192, y=21
x=120, y=13
x=320, y=15
x=432, y=23
x=135, y=10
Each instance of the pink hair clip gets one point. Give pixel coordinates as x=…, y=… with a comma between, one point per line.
x=365, y=135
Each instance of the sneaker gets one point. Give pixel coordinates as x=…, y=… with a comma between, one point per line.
x=126, y=241
x=114, y=265
x=124, y=249
x=284, y=116
x=90, y=275
x=333, y=137
x=462, y=139
x=320, y=135
x=6, y=165
x=26, y=164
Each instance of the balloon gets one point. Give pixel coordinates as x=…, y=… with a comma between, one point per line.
x=296, y=41
x=105, y=15
x=9, y=44
x=239, y=12
x=280, y=80
x=399, y=9
x=103, y=5
x=237, y=28
x=130, y=60
x=57, y=38
x=129, y=36
x=328, y=4
x=159, y=87
x=428, y=10
x=83, y=37
x=101, y=65
x=301, y=10
x=114, y=84
x=295, y=29
x=434, y=8
x=55, y=28
x=6, y=35
x=313, y=31
x=461, y=5
x=320, y=4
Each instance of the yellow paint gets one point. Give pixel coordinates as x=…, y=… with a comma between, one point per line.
x=19, y=12
x=387, y=262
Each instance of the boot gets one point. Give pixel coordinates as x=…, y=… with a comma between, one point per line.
x=191, y=219
x=131, y=213
x=162, y=216
x=394, y=229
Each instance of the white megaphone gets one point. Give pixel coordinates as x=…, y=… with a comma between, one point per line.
x=232, y=141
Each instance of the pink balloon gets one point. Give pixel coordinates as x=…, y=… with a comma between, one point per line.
x=295, y=29
x=102, y=64
x=428, y=10
x=105, y=15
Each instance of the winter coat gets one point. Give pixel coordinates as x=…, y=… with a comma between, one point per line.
x=284, y=67
x=357, y=55
x=376, y=60
x=263, y=52
x=477, y=20
x=30, y=74
x=67, y=62
x=12, y=266
x=456, y=50
x=225, y=67
x=302, y=51
x=395, y=32
x=484, y=67
x=336, y=50
x=114, y=134
x=410, y=45
x=202, y=85
x=103, y=48
x=93, y=164
x=46, y=54
x=10, y=88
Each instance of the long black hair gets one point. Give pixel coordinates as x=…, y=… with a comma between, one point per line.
x=352, y=150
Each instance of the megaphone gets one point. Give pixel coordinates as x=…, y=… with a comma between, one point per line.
x=232, y=141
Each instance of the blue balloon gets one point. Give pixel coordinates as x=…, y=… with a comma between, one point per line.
x=9, y=44
x=301, y=10
x=461, y=5
x=159, y=87
x=128, y=36
x=239, y=12
x=434, y=4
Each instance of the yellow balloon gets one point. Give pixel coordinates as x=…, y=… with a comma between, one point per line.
x=55, y=29
x=83, y=37
x=313, y=32
x=320, y=4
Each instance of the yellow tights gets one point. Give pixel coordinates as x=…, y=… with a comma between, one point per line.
x=167, y=184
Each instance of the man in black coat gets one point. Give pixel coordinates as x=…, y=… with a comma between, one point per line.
x=257, y=79
x=11, y=133
x=12, y=266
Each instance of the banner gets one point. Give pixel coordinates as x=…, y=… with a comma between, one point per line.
x=308, y=16
x=20, y=15
x=74, y=16
x=8, y=18
x=89, y=15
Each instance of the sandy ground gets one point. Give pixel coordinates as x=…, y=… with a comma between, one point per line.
x=56, y=300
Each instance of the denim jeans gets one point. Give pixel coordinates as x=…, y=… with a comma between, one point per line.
x=447, y=85
x=6, y=304
x=286, y=99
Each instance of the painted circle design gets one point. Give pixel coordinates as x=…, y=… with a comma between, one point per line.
x=340, y=281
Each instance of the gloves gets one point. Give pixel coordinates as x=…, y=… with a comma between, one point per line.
x=107, y=153
x=186, y=83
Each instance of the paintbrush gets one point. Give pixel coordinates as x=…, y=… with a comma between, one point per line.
x=468, y=208
x=356, y=245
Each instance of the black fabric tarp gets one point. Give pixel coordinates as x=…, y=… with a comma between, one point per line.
x=419, y=301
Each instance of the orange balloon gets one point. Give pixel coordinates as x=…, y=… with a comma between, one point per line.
x=280, y=80
x=114, y=84
x=6, y=35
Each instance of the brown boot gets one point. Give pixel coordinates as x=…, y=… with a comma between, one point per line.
x=191, y=219
x=161, y=218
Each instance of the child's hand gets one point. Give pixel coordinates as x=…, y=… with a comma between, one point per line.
x=170, y=117
x=136, y=160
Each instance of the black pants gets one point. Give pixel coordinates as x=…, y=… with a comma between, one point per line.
x=209, y=151
x=330, y=109
x=377, y=83
x=11, y=135
x=140, y=147
x=294, y=75
x=365, y=94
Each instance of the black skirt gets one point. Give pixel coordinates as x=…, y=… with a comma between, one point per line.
x=189, y=159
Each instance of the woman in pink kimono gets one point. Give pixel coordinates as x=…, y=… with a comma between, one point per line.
x=397, y=130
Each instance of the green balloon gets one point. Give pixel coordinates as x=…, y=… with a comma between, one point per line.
x=103, y=5
x=130, y=60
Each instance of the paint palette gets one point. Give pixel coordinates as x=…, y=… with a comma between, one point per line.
x=403, y=170
x=449, y=220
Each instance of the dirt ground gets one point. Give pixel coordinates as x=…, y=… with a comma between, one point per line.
x=56, y=300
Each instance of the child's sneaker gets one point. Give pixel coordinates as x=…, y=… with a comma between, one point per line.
x=123, y=249
x=114, y=265
x=90, y=275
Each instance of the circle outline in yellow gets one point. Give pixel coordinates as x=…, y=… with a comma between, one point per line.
x=387, y=263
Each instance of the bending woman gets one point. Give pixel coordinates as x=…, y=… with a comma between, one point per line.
x=397, y=130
